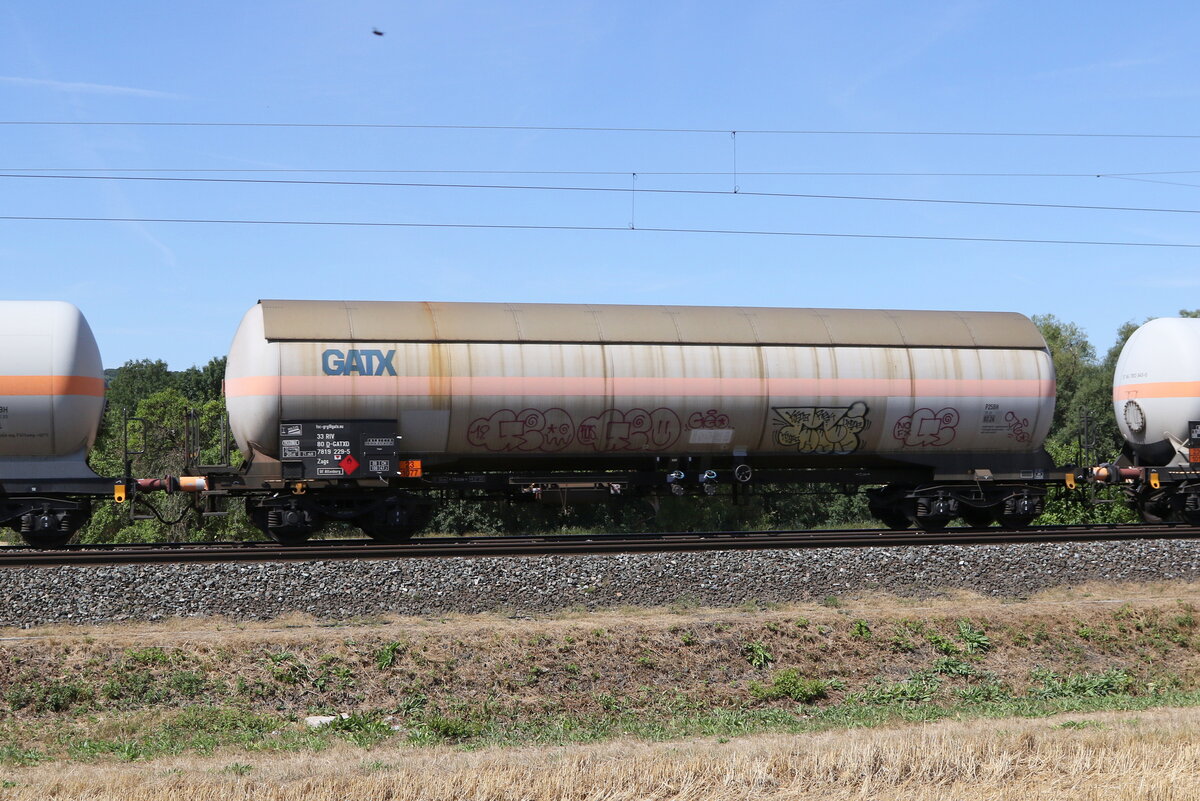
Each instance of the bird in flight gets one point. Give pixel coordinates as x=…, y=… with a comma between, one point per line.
x=377, y=32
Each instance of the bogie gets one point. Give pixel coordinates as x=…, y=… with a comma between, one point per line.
x=44, y=522
x=290, y=522
x=395, y=519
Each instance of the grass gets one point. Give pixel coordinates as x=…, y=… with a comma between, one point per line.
x=1115, y=756
x=140, y=695
x=206, y=730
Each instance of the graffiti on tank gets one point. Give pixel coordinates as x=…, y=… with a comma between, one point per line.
x=540, y=430
x=709, y=419
x=927, y=428
x=1018, y=427
x=632, y=430
x=821, y=429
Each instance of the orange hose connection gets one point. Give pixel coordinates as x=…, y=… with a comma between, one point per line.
x=173, y=484
x=192, y=484
x=1110, y=474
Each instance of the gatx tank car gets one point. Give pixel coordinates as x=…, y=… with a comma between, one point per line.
x=330, y=399
x=368, y=412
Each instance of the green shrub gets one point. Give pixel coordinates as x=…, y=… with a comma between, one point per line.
x=411, y=703
x=942, y=644
x=949, y=666
x=147, y=656
x=363, y=729
x=138, y=686
x=789, y=684
x=385, y=657
x=974, y=640
x=286, y=669
x=441, y=727
x=1087, y=685
x=54, y=695
x=915, y=690
x=757, y=654
x=19, y=756
x=979, y=693
x=187, y=683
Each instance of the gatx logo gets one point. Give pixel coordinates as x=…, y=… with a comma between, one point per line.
x=360, y=362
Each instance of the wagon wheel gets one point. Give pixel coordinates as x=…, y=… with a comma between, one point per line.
x=397, y=519
x=893, y=520
x=976, y=516
x=1154, y=506
x=292, y=524
x=1015, y=521
x=932, y=522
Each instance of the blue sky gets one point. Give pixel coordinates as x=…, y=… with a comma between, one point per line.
x=177, y=290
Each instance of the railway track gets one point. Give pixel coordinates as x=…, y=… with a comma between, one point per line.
x=444, y=547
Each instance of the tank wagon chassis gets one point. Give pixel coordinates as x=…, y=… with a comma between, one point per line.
x=396, y=495
x=48, y=512
x=1159, y=493
x=289, y=503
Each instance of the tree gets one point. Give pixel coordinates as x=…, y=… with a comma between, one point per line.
x=1123, y=335
x=135, y=380
x=1084, y=384
x=161, y=399
x=201, y=384
x=1075, y=369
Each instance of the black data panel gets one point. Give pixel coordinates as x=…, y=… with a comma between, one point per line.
x=317, y=449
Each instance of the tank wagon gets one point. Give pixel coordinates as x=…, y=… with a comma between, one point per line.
x=51, y=402
x=365, y=411
x=1156, y=400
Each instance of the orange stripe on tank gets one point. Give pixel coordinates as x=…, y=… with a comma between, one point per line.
x=1157, y=389
x=618, y=386
x=14, y=385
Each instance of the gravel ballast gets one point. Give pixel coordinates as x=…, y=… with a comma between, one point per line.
x=535, y=585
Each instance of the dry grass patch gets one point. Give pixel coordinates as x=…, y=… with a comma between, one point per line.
x=1114, y=757
x=145, y=691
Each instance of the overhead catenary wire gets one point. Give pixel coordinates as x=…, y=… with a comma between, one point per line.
x=664, y=230
x=1153, y=181
x=608, y=189
x=697, y=173
x=594, y=129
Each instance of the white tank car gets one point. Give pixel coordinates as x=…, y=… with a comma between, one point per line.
x=1156, y=388
x=492, y=383
x=51, y=390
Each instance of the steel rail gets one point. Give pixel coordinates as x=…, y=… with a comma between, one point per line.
x=471, y=547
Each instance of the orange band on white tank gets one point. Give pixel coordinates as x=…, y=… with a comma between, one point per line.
x=1157, y=389
x=584, y=386
x=13, y=385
